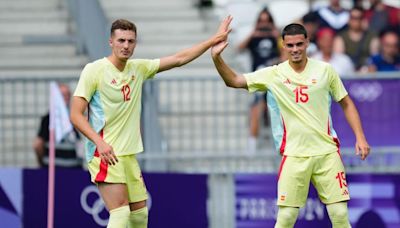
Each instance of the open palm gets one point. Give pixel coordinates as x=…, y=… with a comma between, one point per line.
x=224, y=26
x=219, y=48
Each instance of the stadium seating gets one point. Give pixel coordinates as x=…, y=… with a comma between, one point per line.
x=37, y=42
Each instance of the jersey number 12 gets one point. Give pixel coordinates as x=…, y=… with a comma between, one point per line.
x=126, y=92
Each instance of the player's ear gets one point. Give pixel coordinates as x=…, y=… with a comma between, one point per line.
x=307, y=42
x=110, y=42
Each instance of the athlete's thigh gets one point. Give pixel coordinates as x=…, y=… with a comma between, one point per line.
x=329, y=178
x=294, y=181
x=111, y=182
x=113, y=195
x=137, y=191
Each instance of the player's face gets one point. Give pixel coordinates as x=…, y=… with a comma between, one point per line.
x=123, y=43
x=295, y=47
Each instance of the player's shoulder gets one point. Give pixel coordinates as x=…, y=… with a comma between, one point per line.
x=143, y=65
x=139, y=62
x=99, y=62
x=96, y=65
x=319, y=64
x=283, y=66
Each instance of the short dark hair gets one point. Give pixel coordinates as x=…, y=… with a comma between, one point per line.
x=123, y=25
x=294, y=29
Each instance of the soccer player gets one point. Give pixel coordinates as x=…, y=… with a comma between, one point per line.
x=111, y=88
x=300, y=92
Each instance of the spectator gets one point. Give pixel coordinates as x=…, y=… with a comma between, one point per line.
x=355, y=41
x=311, y=23
x=334, y=16
x=262, y=42
x=66, y=151
x=263, y=47
x=381, y=16
x=358, y=3
x=339, y=61
x=388, y=59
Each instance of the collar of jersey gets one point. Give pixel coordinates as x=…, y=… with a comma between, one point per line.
x=301, y=75
x=114, y=68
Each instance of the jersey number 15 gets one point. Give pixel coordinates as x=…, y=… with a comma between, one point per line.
x=300, y=93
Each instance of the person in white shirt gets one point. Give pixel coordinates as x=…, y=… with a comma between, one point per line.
x=339, y=61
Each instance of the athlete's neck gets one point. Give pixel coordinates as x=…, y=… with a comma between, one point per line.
x=299, y=66
x=118, y=63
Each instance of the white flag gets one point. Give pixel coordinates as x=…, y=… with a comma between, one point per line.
x=59, y=117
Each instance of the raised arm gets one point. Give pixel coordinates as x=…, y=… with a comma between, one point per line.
x=79, y=120
x=353, y=118
x=187, y=55
x=229, y=76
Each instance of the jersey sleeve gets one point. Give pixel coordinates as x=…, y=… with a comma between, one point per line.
x=336, y=87
x=87, y=83
x=259, y=80
x=148, y=67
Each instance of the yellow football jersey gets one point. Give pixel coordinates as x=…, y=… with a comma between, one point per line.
x=299, y=104
x=114, y=99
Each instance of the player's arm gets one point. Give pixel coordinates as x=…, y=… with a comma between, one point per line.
x=353, y=118
x=79, y=120
x=187, y=55
x=230, y=77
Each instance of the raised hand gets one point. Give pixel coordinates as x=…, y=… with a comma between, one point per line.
x=224, y=26
x=218, y=48
x=223, y=30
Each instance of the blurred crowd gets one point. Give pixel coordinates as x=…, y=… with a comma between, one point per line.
x=354, y=41
x=360, y=39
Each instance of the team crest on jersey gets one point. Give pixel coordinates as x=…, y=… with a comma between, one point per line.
x=133, y=77
x=313, y=81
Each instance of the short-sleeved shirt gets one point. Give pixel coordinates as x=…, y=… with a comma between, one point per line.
x=114, y=99
x=65, y=150
x=299, y=105
x=262, y=50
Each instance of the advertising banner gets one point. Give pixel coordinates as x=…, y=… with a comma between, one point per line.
x=378, y=102
x=176, y=200
x=375, y=202
x=10, y=197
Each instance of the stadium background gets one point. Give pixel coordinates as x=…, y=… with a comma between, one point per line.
x=195, y=129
